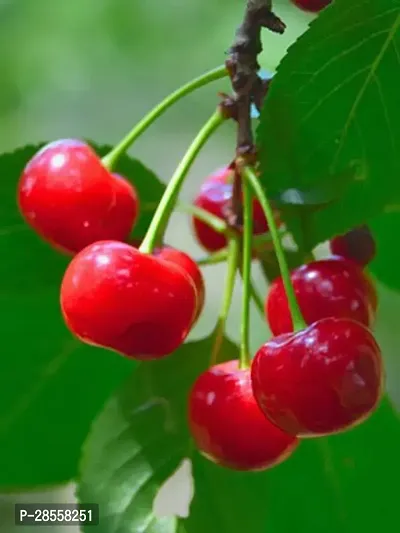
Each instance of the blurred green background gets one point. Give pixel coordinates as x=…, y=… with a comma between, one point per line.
x=92, y=68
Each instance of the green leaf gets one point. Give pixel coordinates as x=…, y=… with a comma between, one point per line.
x=341, y=483
x=51, y=385
x=329, y=132
x=140, y=438
x=385, y=266
x=226, y=501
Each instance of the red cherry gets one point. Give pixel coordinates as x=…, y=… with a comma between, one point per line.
x=71, y=200
x=314, y=6
x=227, y=424
x=357, y=245
x=214, y=197
x=190, y=267
x=331, y=287
x=323, y=379
x=139, y=305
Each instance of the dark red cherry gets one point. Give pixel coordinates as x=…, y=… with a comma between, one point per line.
x=313, y=6
x=333, y=287
x=72, y=200
x=357, y=245
x=214, y=197
x=184, y=261
x=139, y=305
x=227, y=424
x=324, y=379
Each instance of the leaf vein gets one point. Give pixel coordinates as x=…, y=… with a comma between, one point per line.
x=369, y=77
x=343, y=30
x=386, y=115
x=171, y=458
x=333, y=59
x=326, y=97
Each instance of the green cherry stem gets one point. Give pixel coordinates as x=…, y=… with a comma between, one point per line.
x=213, y=259
x=232, y=266
x=217, y=224
x=297, y=317
x=171, y=193
x=112, y=157
x=246, y=276
x=259, y=242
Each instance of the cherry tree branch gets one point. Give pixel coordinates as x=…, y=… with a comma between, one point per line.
x=248, y=87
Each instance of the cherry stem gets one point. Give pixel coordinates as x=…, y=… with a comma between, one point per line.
x=246, y=275
x=297, y=317
x=213, y=259
x=110, y=160
x=167, y=203
x=217, y=224
x=233, y=261
x=259, y=242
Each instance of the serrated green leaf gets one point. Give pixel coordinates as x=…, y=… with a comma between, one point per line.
x=140, y=438
x=51, y=386
x=330, y=127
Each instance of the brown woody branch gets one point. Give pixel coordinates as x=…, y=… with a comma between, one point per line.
x=247, y=86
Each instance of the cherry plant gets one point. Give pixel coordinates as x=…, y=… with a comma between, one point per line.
x=114, y=395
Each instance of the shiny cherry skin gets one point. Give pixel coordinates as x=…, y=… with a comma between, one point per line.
x=333, y=287
x=324, y=379
x=72, y=200
x=214, y=197
x=114, y=296
x=313, y=6
x=227, y=424
x=184, y=261
x=357, y=245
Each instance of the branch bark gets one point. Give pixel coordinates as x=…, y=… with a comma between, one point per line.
x=248, y=87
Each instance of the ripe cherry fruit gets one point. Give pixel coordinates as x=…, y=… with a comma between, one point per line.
x=168, y=253
x=184, y=261
x=333, y=287
x=227, y=424
x=114, y=296
x=214, y=197
x=313, y=6
x=72, y=200
x=357, y=245
x=321, y=380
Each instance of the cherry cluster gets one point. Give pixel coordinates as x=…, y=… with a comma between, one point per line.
x=319, y=379
x=112, y=295
x=320, y=376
